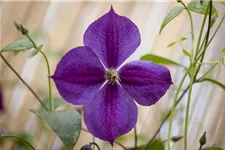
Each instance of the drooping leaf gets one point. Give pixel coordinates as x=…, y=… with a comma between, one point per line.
x=18, y=45
x=215, y=82
x=214, y=148
x=57, y=102
x=160, y=60
x=171, y=44
x=174, y=12
x=155, y=145
x=195, y=6
x=35, y=51
x=66, y=124
x=186, y=53
x=183, y=38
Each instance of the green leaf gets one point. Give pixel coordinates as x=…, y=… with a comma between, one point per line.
x=195, y=6
x=160, y=60
x=171, y=44
x=35, y=51
x=66, y=124
x=183, y=38
x=223, y=50
x=215, y=82
x=57, y=102
x=155, y=145
x=186, y=53
x=174, y=12
x=18, y=45
x=214, y=148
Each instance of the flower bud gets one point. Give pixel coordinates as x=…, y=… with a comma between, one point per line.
x=23, y=30
x=203, y=140
x=86, y=147
x=17, y=25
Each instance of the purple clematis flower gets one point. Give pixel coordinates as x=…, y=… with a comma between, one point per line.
x=89, y=75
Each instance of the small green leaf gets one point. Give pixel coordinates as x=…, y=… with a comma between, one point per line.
x=155, y=145
x=186, y=53
x=215, y=82
x=57, y=102
x=223, y=50
x=195, y=6
x=19, y=45
x=183, y=38
x=160, y=60
x=174, y=12
x=66, y=124
x=171, y=44
x=214, y=148
x=35, y=51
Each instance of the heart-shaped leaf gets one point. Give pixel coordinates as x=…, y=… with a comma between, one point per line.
x=174, y=12
x=18, y=45
x=66, y=124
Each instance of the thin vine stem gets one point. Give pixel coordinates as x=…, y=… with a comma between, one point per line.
x=188, y=107
x=174, y=104
x=167, y=116
x=21, y=79
x=135, y=136
x=49, y=73
x=12, y=136
x=95, y=144
x=201, y=32
x=192, y=28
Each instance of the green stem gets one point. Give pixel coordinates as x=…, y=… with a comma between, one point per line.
x=21, y=79
x=174, y=104
x=192, y=28
x=12, y=136
x=95, y=144
x=167, y=116
x=135, y=136
x=200, y=147
x=49, y=73
x=188, y=107
x=207, y=72
x=49, y=82
x=201, y=31
x=206, y=41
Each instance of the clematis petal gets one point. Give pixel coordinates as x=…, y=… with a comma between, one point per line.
x=79, y=75
x=1, y=100
x=113, y=38
x=113, y=113
x=144, y=81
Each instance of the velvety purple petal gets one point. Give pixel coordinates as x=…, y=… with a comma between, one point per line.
x=144, y=81
x=112, y=114
x=113, y=38
x=79, y=75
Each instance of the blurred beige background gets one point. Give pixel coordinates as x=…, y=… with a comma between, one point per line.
x=62, y=25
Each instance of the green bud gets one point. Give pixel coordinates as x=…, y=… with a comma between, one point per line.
x=179, y=1
x=203, y=140
x=176, y=138
x=17, y=25
x=23, y=30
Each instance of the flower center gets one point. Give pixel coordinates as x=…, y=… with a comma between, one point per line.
x=112, y=76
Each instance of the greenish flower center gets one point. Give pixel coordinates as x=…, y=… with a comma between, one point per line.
x=112, y=76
